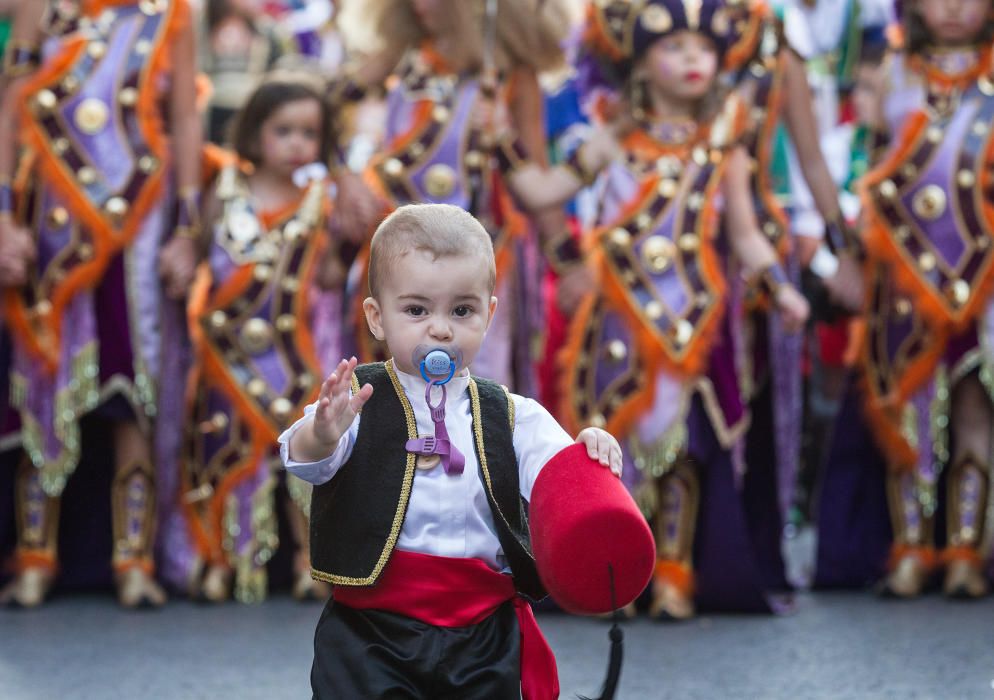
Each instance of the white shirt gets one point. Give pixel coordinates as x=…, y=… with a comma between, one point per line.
x=448, y=514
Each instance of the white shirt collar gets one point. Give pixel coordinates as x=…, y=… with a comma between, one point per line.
x=414, y=386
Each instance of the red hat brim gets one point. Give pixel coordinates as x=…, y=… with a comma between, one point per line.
x=586, y=530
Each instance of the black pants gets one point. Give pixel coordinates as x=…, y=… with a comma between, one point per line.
x=366, y=654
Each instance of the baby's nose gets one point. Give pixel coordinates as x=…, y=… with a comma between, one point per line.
x=440, y=329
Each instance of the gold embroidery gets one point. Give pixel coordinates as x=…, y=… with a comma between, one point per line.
x=405, y=492
x=474, y=399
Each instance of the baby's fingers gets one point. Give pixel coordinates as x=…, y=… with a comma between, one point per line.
x=359, y=400
x=616, y=460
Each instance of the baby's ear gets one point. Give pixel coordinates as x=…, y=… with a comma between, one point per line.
x=492, y=310
x=374, y=318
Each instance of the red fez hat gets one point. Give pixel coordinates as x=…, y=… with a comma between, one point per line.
x=593, y=548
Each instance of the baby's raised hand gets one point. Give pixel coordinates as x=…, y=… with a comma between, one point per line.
x=603, y=447
x=336, y=410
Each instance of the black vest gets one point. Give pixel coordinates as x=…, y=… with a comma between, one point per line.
x=356, y=517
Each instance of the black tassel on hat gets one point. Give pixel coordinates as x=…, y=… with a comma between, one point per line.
x=617, y=637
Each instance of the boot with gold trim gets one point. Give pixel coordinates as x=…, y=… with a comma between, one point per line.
x=913, y=558
x=133, y=513
x=35, y=559
x=965, y=522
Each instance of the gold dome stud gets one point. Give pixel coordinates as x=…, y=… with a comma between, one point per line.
x=87, y=175
x=256, y=336
x=616, y=350
x=280, y=409
x=654, y=310
x=656, y=19
x=440, y=180
x=393, y=167
x=657, y=251
x=689, y=242
x=128, y=97
x=46, y=100
x=620, y=237
x=929, y=202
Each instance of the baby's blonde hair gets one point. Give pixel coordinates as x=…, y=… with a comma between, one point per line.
x=438, y=229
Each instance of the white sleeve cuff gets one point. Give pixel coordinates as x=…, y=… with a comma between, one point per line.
x=538, y=437
x=323, y=470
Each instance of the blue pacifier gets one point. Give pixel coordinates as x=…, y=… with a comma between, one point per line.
x=437, y=368
x=437, y=363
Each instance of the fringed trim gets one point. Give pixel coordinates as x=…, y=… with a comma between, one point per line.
x=881, y=245
x=208, y=528
x=677, y=574
x=35, y=559
x=70, y=404
x=926, y=555
x=251, y=578
x=967, y=554
x=108, y=239
x=144, y=564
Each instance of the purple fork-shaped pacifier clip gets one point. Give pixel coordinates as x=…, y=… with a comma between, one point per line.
x=437, y=363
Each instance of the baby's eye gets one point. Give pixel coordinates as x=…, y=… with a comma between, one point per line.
x=415, y=310
x=463, y=311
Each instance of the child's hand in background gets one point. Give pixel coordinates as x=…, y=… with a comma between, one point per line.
x=603, y=447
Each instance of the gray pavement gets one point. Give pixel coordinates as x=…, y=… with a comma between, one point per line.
x=836, y=646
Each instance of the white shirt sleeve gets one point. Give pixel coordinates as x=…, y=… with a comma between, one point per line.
x=323, y=470
x=537, y=438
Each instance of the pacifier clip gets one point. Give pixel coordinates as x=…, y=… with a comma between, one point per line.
x=437, y=363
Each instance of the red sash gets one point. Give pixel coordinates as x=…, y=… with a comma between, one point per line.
x=454, y=592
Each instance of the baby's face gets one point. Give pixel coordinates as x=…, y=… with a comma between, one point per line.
x=444, y=302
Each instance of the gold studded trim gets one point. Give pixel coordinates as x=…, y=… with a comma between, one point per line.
x=405, y=490
x=946, y=292
x=892, y=376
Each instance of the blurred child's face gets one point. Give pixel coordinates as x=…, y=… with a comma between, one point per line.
x=954, y=22
x=866, y=92
x=291, y=137
x=445, y=302
x=681, y=66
